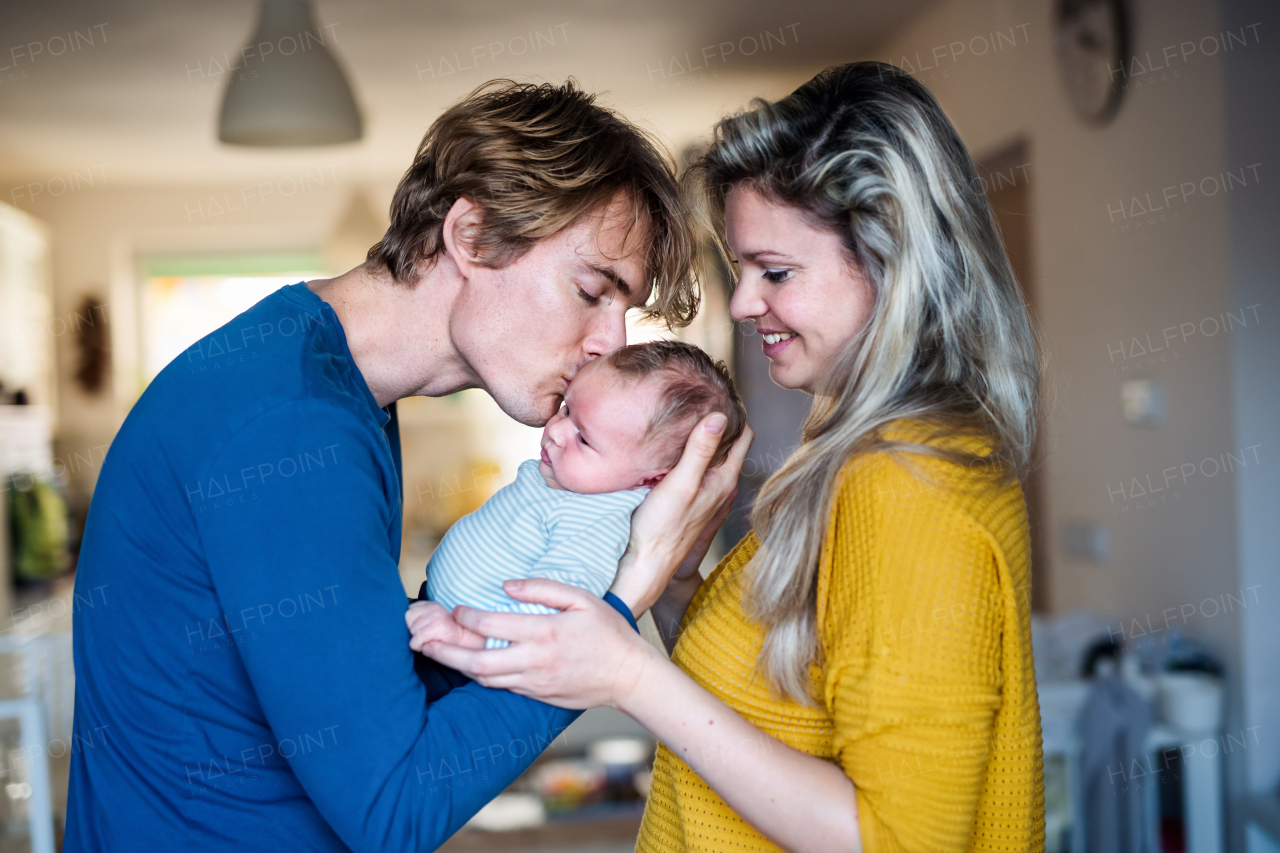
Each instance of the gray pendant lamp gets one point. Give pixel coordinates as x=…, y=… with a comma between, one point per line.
x=288, y=90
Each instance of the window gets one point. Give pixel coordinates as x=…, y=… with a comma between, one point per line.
x=185, y=298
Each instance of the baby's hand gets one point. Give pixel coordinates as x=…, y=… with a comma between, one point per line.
x=430, y=622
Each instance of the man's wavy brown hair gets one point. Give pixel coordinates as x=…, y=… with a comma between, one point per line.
x=537, y=158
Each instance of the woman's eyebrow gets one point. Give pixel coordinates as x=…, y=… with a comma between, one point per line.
x=763, y=253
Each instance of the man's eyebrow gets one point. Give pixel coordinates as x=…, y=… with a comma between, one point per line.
x=618, y=281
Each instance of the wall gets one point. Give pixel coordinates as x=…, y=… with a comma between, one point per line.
x=1253, y=135
x=96, y=236
x=1107, y=276
x=1110, y=281
x=101, y=223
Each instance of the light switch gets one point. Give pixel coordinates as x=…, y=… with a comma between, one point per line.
x=1143, y=402
x=1087, y=540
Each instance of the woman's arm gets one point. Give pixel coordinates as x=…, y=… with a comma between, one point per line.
x=762, y=779
x=602, y=662
x=668, y=611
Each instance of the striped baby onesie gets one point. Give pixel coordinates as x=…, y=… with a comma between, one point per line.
x=530, y=530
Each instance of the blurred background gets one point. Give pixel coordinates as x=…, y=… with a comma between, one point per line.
x=1127, y=147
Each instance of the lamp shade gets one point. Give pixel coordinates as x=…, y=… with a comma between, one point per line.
x=288, y=90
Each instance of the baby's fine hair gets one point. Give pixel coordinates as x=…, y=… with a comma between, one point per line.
x=694, y=386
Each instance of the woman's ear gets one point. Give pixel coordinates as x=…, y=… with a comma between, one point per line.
x=461, y=229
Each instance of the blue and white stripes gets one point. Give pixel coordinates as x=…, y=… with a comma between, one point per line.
x=530, y=530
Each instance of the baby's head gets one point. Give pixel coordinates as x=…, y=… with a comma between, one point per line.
x=627, y=415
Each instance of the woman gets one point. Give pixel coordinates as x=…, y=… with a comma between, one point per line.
x=857, y=673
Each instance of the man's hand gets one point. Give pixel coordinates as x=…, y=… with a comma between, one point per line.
x=430, y=622
x=585, y=655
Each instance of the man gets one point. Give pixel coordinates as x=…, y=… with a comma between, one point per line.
x=251, y=682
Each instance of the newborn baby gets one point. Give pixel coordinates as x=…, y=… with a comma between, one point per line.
x=624, y=423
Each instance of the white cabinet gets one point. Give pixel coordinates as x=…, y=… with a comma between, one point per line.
x=27, y=333
x=1198, y=754
x=27, y=324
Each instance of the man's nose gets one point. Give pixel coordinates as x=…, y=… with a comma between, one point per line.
x=606, y=334
x=747, y=302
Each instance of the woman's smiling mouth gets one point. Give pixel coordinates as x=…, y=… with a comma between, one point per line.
x=775, y=342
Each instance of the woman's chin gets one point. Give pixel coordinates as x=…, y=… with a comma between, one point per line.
x=786, y=376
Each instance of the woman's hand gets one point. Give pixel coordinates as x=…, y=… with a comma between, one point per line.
x=430, y=622
x=676, y=514
x=585, y=655
x=689, y=567
x=668, y=611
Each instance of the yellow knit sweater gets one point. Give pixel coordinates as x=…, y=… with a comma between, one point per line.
x=926, y=692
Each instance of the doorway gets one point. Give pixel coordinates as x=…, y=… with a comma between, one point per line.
x=1006, y=180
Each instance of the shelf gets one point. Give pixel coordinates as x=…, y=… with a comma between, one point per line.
x=557, y=833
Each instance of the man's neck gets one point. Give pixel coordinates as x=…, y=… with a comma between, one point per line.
x=397, y=334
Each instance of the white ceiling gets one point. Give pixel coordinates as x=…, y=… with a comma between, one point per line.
x=139, y=105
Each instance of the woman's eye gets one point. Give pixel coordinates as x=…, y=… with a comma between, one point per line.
x=589, y=298
x=776, y=276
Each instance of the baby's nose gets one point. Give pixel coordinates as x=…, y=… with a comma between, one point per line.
x=556, y=430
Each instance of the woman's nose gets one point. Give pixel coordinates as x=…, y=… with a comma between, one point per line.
x=747, y=302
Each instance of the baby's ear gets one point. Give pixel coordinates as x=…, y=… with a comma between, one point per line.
x=654, y=478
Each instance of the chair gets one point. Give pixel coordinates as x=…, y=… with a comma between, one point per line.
x=45, y=681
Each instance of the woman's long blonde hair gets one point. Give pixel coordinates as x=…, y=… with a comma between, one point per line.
x=865, y=150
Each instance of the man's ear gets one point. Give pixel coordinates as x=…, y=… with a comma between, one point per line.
x=461, y=229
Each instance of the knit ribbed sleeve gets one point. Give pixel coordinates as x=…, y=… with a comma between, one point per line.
x=914, y=616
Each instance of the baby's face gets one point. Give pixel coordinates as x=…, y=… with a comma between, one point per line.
x=593, y=444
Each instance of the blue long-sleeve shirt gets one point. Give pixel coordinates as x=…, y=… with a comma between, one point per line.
x=243, y=675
